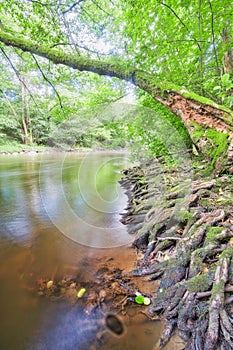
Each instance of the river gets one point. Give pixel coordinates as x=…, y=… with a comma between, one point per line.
x=60, y=216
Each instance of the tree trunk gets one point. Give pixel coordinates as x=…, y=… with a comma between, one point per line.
x=228, y=55
x=25, y=116
x=213, y=122
x=23, y=119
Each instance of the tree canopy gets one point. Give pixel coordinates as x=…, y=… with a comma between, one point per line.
x=187, y=44
x=173, y=50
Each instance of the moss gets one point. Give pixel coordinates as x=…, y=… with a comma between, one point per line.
x=216, y=143
x=199, y=283
x=208, y=203
x=183, y=216
x=227, y=253
x=197, y=258
x=201, y=310
x=198, y=131
x=217, y=289
x=220, y=141
x=212, y=232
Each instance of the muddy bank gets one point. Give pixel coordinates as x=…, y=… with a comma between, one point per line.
x=183, y=231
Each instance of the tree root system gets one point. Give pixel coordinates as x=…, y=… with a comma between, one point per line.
x=185, y=231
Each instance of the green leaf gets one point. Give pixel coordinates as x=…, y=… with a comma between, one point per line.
x=139, y=299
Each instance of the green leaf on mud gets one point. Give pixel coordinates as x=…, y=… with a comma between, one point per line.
x=139, y=299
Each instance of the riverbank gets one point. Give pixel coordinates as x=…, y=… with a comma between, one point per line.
x=17, y=148
x=182, y=222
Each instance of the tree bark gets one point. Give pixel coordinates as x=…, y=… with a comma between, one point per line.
x=23, y=119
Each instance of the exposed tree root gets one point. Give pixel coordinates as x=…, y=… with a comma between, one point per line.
x=185, y=230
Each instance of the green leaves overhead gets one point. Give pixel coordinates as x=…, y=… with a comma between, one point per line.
x=180, y=40
x=159, y=45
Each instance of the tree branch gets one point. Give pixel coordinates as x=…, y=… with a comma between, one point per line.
x=113, y=68
x=48, y=81
x=72, y=6
x=213, y=38
x=18, y=75
x=122, y=69
x=180, y=20
x=99, y=7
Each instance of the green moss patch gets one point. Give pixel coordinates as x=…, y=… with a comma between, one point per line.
x=212, y=232
x=200, y=283
x=216, y=142
x=227, y=253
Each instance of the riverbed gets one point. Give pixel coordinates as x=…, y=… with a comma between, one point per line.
x=60, y=217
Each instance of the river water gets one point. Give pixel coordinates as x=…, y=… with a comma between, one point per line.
x=59, y=217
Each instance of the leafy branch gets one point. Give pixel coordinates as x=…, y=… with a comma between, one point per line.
x=181, y=21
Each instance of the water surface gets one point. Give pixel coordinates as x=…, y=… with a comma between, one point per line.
x=59, y=217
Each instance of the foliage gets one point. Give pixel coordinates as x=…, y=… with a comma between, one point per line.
x=179, y=42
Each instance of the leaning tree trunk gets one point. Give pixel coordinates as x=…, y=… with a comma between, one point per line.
x=210, y=126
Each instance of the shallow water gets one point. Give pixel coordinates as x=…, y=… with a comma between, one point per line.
x=60, y=217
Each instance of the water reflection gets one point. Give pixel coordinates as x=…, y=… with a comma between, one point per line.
x=32, y=247
x=83, y=198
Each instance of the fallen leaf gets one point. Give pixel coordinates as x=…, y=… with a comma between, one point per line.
x=49, y=284
x=139, y=299
x=146, y=301
x=81, y=292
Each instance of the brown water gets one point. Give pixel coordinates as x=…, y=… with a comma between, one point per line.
x=60, y=217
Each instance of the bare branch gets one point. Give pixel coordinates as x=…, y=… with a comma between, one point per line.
x=72, y=6
x=180, y=20
x=18, y=74
x=48, y=81
x=99, y=7
x=213, y=38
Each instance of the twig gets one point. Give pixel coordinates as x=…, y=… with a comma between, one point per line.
x=180, y=20
x=213, y=37
x=48, y=81
x=72, y=6
x=18, y=74
x=200, y=295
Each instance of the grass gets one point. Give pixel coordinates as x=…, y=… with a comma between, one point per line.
x=13, y=146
